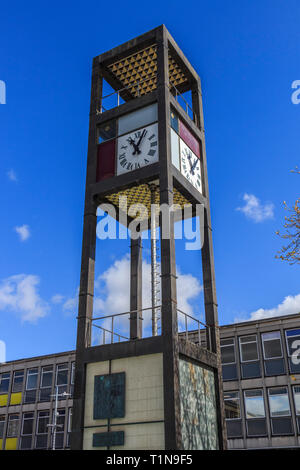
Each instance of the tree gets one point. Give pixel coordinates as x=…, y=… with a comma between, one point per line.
x=291, y=252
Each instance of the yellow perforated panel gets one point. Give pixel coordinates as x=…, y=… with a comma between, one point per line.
x=138, y=72
x=16, y=398
x=141, y=195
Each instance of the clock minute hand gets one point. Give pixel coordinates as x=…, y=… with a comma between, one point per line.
x=194, y=164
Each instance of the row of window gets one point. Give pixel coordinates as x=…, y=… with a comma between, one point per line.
x=37, y=437
x=254, y=409
x=272, y=350
x=63, y=377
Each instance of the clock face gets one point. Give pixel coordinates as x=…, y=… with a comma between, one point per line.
x=137, y=149
x=190, y=166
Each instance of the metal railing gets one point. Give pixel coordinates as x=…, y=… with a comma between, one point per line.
x=115, y=328
x=114, y=332
x=117, y=94
x=191, y=329
x=185, y=106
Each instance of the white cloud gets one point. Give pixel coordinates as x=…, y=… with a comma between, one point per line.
x=23, y=231
x=57, y=299
x=255, y=210
x=11, y=174
x=19, y=294
x=290, y=305
x=71, y=304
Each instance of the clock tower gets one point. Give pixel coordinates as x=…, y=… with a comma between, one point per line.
x=147, y=384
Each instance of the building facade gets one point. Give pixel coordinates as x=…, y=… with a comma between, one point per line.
x=261, y=385
x=28, y=389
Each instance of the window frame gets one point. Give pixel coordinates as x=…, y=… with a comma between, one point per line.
x=263, y=400
x=263, y=345
x=11, y=419
x=23, y=419
x=286, y=339
x=294, y=387
x=41, y=381
x=6, y=378
x=234, y=350
x=269, y=402
x=29, y=374
x=13, y=380
x=248, y=342
x=237, y=399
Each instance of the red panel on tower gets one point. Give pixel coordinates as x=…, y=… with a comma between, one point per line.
x=106, y=160
x=189, y=139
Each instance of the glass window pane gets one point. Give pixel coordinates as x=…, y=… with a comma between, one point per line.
x=47, y=373
x=107, y=131
x=2, y=422
x=272, y=345
x=254, y=404
x=232, y=405
x=13, y=426
x=297, y=399
x=279, y=402
x=32, y=377
x=227, y=354
x=62, y=374
x=27, y=427
x=249, y=352
x=43, y=420
x=18, y=381
x=4, y=382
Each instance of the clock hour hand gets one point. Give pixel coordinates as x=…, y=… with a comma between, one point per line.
x=194, y=164
x=132, y=142
x=139, y=142
x=190, y=162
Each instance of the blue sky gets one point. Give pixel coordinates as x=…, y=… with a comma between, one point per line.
x=247, y=54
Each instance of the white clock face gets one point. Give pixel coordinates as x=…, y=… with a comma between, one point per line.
x=137, y=149
x=190, y=166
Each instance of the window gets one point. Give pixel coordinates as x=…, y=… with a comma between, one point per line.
x=72, y=379
x=248, y=348
x=26, y=432
x=4, y=382
x=2, y=423
x=42, y=430
x=60, y=422
x=254, y=404
x=272, y=345
x=232, y=405
x=13, y=426
x=47, y=373
x=296, y=392
x=228, y=351
x=31, y=386
x=229, y=368
x=62, y=372
x=32, y=378
x=279, y=402
x=69, y=426
x=280, y=411
x=18, y=381
x=27, y=424
x=107, y=131
x=46, y=383
x=297, y=399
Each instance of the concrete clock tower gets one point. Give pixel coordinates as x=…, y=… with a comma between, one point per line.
x=135, y=389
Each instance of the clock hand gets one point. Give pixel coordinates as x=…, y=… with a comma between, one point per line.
x=139, y=142
x=194, y=164
x=132, y=142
